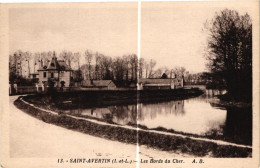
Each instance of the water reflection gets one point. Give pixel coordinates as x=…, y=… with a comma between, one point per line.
x=189, y=116
x=194, y=116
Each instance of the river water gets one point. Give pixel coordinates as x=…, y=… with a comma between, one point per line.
x=199, y=116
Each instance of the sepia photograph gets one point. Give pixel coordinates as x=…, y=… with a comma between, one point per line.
x=130, y=84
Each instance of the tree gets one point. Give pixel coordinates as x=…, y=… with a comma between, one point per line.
x=230, y=50
x=158, y=73
x=133, y=67
x=118, y=69
x=88, y=57
x=67, y=56
x=141, y=67
x=126, y=59
x=106, y=65
x=28, y=57
x=152, y=64
x=164, y=76
x=45, y=58
x=146, y=66
x=180, y=71
x=97, y=66
x=37, y=61
x=76, y=59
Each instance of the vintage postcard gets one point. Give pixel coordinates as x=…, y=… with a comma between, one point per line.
x=130, y=84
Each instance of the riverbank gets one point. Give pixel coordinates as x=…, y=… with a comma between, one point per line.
x=228, y=101
x=154, y=139
x=89, y=99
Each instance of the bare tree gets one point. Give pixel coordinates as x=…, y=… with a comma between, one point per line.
x=158, y=73
x=133, y=67
x=97, y=65
x=27, y=58
x=152, y=64
x=107, y=63
x=180, y=71
x=76, y=59
x=126, y=62
x=37, y=61
x=44, y=59
x=20, y=62
x=147, y=67
x=118, y=69
x=67, y=56
x=141, y=67
x=88, y=57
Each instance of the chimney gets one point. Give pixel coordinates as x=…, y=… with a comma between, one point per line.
x=41, y=63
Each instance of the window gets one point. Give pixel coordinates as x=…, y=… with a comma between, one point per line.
x=44, y=74
x=52, y=76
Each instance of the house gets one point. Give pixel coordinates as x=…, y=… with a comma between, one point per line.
x=158, y=83
x=58, y=72
x=102, y=84
x=34, y=75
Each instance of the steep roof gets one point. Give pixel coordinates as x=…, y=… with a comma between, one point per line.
x=97, y=83
x=55, y=64
x=63, y=66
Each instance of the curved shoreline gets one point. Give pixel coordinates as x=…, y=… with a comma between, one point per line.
x=157, y=139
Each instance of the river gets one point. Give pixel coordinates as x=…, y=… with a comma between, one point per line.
x=200, y=116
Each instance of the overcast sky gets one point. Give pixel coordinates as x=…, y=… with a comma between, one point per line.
x=99, y=27
x=171, y=32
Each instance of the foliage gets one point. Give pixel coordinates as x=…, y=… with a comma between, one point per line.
x=164, y=76
x=62, y=83
x=230, y=50
x=50, y=82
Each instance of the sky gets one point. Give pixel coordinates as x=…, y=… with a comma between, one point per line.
x=111, y=30
x=171, y=32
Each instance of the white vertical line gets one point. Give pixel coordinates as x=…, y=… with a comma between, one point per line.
x=139, y=31
x=139, y=56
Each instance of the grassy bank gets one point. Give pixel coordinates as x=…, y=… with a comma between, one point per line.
x=88, y=99
x=160, y=141
x=212, y=135
x=240, y=99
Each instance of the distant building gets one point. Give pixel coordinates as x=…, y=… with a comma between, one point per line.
x=155, y=84
x=132, y=85
x=105, y=84
x=57, y=71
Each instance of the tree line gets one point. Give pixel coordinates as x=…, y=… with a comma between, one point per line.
x=123, y=70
